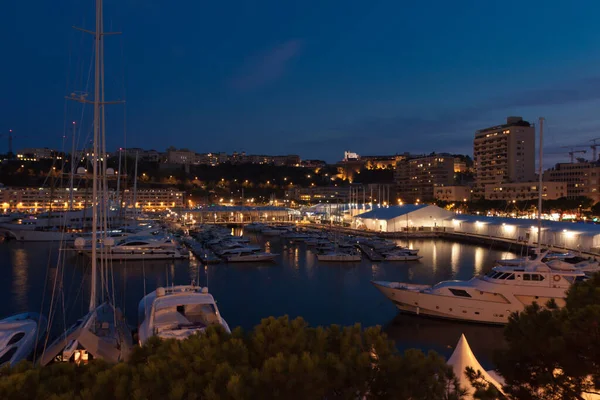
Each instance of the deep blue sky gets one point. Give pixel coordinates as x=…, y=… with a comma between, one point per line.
x=308, y=77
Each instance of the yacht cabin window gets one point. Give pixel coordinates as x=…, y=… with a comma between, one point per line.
x=533, y=277
x=459, y=292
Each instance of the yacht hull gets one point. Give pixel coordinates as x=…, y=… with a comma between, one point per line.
x=413, y=300
x=30, y=235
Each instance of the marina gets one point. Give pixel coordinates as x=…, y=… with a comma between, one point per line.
x=295, y=284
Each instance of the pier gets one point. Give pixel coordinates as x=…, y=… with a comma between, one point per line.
x=370, y=253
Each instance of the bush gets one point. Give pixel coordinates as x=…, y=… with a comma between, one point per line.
x=278, y=359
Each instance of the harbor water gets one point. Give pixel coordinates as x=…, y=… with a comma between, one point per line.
x=35, y=275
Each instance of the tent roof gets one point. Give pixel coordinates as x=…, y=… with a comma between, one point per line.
x=463, y=357
x=587, y=229
x=391, y=212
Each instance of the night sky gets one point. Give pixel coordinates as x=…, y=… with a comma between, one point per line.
x=312, y=78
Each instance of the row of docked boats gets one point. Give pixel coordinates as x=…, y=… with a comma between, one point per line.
x=331, y=246
x=175, y=312
x=213, y=244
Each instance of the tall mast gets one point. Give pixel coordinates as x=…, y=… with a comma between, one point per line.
x=72, y=174
x=119, y=180
x=135, y=172
x=95, y=151
x=540, y=183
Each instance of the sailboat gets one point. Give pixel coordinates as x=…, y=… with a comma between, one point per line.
x=102, y=333
x=493, y=297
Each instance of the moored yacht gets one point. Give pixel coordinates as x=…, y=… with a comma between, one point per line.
x=249, y=256
x=19, y=335
x=339, y=256
x=138, y=248
x=177, y=312
x=487, y=299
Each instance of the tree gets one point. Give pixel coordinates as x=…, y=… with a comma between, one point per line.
x=552, y=353
x=278, y=359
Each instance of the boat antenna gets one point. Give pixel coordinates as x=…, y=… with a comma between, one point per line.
x=540, y=189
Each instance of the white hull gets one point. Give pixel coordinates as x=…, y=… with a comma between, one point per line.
x=406, y=257
x=491, y=310
x=251, y=257
x=29, y=235
x=18, y=336
x=177, y=312
x=339, y=257
x=147, y=255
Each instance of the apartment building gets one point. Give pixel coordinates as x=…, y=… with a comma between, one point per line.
x=581, y=178
x=525, y=191
x=416, y=178
x=42, y=199
x=452, y=193
x=504, y=153
x=38, y=153
x=319, y=194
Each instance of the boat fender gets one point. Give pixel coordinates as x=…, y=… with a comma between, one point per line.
x=556, y=278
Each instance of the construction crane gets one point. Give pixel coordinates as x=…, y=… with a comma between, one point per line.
x=10, y=141
x=594, y=145
x=573, y=152
x=10, y=138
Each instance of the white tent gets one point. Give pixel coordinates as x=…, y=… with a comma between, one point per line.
x=399, y=218
x=463, y=357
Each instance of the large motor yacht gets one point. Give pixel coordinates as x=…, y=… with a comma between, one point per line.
x=177, y=312
x=138, y=248
x=487, y=299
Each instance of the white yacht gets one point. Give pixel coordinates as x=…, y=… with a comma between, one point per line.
x=49, y=226
x=177, y=312
x=242, y=255
x=401, y=256
x=19, y=335
x=339, y=256
x=487, y=299
x=138, y=248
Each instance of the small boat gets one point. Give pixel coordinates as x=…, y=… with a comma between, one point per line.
x=249, y=256
x=339, y=256
x=177, y=312
x=18, y=336
x=399, y=256
x=138, y=248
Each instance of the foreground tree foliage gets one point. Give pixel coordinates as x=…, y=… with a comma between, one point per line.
x=279, y=359
x=552, y=353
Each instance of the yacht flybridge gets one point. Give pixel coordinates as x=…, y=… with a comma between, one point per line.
x=487, y=299
x=177, y=312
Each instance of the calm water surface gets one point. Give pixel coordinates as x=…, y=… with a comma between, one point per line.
x=296, y=285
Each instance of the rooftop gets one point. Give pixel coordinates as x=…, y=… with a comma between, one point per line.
x=386, y=213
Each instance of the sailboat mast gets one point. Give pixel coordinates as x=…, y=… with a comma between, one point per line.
x=135, y=172
x=95, y=152
x=540, y=183
x=72, y=174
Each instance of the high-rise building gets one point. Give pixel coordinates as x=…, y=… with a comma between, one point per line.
x=504, y=154
x=416, y=178
x=581, y=178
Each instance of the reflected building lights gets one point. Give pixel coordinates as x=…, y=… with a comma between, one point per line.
x=479, y=258
x=20, y=287
x=454, y=258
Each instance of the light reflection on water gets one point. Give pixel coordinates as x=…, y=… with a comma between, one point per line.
x=297, y=284
x=20, y=287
